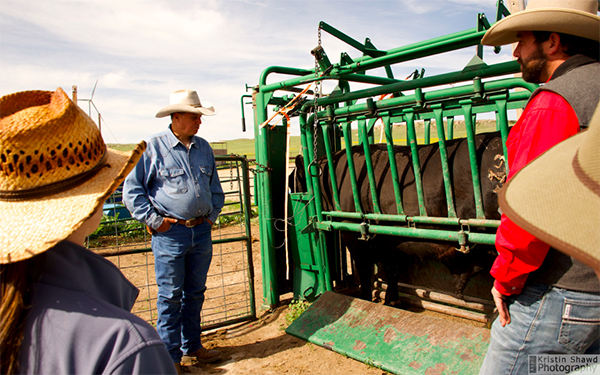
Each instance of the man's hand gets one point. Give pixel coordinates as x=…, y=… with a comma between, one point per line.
x=503, y=313
x=166, y=224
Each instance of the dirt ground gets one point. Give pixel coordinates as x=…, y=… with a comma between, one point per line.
x=263, y=347
x=259, y=346
x=255, y=347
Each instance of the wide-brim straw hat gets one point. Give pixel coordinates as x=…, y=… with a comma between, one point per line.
x=573, y=17
x=186, y=101
x=557, y=196
x=55, y=171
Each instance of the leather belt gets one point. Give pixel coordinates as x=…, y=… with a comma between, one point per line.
x=191, y=222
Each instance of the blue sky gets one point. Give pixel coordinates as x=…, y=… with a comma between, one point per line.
x=138, y=52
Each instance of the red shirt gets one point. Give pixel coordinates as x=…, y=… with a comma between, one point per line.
x=547, y=120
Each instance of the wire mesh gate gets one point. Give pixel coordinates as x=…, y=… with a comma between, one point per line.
x=230, y=296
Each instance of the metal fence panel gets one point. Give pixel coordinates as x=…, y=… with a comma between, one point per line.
x=230, y=284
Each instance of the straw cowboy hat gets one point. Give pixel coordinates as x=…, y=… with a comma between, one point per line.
x=574, y=17
x=55, y=171
x=557, y=196
x=186, y=101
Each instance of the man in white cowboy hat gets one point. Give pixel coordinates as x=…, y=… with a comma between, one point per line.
x=65, y=309
x=558, y=47
x=175, y=190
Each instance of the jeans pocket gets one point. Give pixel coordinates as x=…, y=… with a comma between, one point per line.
x=580, y=325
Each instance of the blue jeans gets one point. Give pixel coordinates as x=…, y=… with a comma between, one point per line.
x=182, y=258
x=544, y=320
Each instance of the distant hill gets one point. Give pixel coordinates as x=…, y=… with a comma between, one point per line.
x=241, y=146
x=246, y=147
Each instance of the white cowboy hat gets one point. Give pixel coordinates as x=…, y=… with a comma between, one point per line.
x=186, y=101
x=55, y=171
x=557, y=196
x=573, y=17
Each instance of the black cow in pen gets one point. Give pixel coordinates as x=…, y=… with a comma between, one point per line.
x=392, y=251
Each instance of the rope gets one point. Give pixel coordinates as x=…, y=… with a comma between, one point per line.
x=284, y=111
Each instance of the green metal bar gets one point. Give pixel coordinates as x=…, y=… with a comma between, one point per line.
x=439, y=120
x=385, y=104
x=393, y=165
x=310, y=163
x=243, y=116
x=416, y=52
x=503, y=123
x=362, y=135
x=428, y=220
x=414, y=151
x=263, y=181
x=427, y=132
x=394, y=85
x=482, y=25
x=467, y=108
x=334, y=188
x=350, y=41
x=450, y=122
x=356, y=44
x=502, y=11
x=310, y=160
x=247, y=208
x=514, y=100
x=440, y=39
x=305, y=73
x=370, y=130
x=351, y=170
x=433, y=234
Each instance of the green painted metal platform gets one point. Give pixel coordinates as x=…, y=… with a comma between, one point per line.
x=394, y=340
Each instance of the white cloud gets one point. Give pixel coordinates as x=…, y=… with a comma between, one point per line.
x=140, y=51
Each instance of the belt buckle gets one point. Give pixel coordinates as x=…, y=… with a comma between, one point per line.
x=188, y=223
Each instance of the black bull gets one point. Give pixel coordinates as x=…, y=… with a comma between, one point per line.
x=463, y=266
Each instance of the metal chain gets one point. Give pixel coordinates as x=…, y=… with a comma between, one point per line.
x=318, y=89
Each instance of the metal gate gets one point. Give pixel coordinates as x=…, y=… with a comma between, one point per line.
x=230, y=285
x=344, y=117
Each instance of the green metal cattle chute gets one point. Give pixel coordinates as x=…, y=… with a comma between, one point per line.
x=308, y=260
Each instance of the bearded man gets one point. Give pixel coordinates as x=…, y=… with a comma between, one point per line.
x=547, y=301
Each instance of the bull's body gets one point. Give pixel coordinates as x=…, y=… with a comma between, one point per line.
x=382, y=248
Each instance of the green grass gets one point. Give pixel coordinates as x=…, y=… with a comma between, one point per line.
x=243, y=146
x=296, y=308
x=121, y=147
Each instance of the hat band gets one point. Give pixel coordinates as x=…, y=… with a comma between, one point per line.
x=585, y=179
x=55, y=187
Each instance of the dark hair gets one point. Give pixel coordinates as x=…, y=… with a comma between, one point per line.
x=17, y=280
x=572, y=45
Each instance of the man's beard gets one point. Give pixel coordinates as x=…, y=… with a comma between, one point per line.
x=534, y=65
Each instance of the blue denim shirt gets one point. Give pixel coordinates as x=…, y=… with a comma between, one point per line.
x=172, y=180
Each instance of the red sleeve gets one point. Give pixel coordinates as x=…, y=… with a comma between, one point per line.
x=547, y=120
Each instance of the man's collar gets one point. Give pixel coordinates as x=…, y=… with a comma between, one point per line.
x=571, y=63
x=173, y=140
